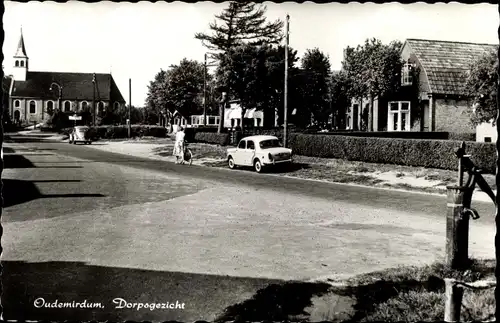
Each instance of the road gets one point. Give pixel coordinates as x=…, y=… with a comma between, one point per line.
x=81, y=223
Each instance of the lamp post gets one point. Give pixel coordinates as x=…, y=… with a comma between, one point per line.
x=222, y=106
x=60, y=94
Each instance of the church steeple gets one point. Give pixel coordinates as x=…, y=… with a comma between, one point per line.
x=21, y=49
x=20, y=60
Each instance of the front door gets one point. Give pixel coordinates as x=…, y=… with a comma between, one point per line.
x=239, y=157
x=425, y=116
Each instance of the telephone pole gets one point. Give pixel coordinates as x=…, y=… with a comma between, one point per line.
x=93, y=100
x=285, y=114
x=205, y=91
x=129, y=104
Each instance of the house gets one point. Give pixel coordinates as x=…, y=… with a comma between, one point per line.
x=232, y=116
x=34, y=95
x=431, y=97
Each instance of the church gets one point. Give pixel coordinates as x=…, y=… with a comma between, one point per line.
x=33, y=96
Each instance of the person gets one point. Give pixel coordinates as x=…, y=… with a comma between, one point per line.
x=179, y=145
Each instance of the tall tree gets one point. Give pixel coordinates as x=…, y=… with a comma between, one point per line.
x=156, y=100
x=241, y=22
x=481, y=87
x=316, y=92
x=340, y=97
x=374, y=70
x=184, y=87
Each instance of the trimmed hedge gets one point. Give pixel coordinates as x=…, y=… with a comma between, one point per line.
x=409, y=152
x=212, y=138
x=115, y=132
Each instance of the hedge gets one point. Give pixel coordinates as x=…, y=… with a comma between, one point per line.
x=212, y=138
x=409, y=152
x=114, y=132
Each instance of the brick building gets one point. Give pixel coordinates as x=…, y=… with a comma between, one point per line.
x=432, y=92
x=34, y=95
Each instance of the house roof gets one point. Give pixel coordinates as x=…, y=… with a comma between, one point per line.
x=75, y=86
x=446, y=63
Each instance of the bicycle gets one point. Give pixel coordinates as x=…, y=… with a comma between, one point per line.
x=188, y=155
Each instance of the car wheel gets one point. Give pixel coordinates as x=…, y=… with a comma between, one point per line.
x=258, y=166
x=231, y=163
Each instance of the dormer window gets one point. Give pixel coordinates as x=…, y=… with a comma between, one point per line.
x=407, y=74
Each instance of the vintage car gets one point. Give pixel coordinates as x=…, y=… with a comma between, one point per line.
x=80, y=134
x=258, y=152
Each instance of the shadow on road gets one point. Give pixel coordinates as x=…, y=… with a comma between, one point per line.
x=8, y=150
x=18, y=191
x=205, y=296
x=17, y=161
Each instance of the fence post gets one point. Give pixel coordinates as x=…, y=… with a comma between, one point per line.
x=453, y=295
x=457, y=228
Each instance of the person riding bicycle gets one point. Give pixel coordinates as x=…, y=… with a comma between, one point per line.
x=179, y=145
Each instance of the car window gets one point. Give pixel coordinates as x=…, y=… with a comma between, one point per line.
x=270, y=143
x=250, y=145
x=242, y=144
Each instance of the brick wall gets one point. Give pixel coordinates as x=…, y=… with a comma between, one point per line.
x=451, y=116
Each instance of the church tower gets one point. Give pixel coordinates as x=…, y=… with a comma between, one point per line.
x=20, y=61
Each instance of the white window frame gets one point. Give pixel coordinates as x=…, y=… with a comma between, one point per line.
x=29, y=106
x=407, y=74
x=18, y=103
x=64, y=106
x=399, y=113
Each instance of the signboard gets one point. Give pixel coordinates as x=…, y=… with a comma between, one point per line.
x=75, y=118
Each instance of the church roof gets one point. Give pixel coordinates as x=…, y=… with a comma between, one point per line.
x=446, y=63
x=21, y=49
x=75, y=86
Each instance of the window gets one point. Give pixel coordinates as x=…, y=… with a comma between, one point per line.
x=117, y=105
x=67, y=106
x=232, y=123
x=100, y=107
x=270, y=143
x=22, y=63
x=50, y=107
x=17, y=104
x=85, y=105
x=250, y=145
x=17, y=63
x=32, y=107
x=399, y=116
x=242, y=144
x=407, y=74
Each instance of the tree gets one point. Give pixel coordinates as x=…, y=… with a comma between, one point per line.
x=156, y=100
x=481, y=87
x=373, y=70
x=316, y=88
x=241, y=22
x=184, y=87
x=339, y=87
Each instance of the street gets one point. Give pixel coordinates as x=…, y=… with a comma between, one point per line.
x=85, y=224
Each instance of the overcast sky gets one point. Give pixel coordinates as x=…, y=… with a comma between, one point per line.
x=136, y=40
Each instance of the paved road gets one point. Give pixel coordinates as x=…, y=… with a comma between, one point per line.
x=81, y=223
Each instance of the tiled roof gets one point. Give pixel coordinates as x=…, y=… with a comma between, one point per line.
x=75, y=86
x=446, y=63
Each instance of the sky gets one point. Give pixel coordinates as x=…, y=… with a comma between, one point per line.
x=136, y=40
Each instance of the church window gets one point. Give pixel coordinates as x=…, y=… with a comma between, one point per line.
x=67, y=106
x=50, y=107
x=32, y=107
x=84, y=105
x=117, y=105
x=100, y=107
x=17, y=104
x=22, y=63
x=17, y=63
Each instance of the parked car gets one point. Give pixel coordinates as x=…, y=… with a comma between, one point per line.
x=80, y=134
x=258, y=152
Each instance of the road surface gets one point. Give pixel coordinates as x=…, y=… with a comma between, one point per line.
x=85, y=224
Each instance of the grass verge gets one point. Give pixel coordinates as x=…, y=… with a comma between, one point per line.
x=412, y=294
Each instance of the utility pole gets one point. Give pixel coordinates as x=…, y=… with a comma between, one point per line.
x=205, y=91
x=285, y=115
x=129, y=104
x=93, y=100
